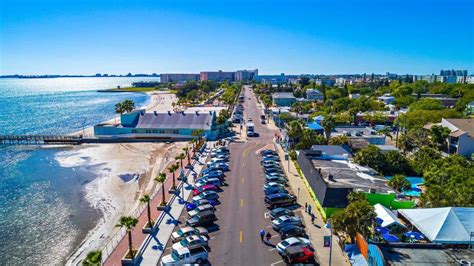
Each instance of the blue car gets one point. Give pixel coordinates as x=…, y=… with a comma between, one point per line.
x=193, y=205
x=275, y=190
x=208, y=171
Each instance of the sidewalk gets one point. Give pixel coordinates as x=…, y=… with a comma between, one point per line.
x=155, y=243
x=138, y=236
x=318, y=231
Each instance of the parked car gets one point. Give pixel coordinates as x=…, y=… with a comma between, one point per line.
x=279, y=200
x=271, y=157
x=202, y=219
x=216, y=174
x=185, y=256
x=209, y=171
x=188, y=231
x=222, y=149
x=209, y=195
x=272, y=185
x=224, y=167
x=215, y=161
x=273, y=170
x=292, y=231
x=192, y=205
x=275, y=190
x=199, y=190
x=223, y=157
x=277, y=212
x=201, y=208
x=275, y=179
x=292, y=242
x=298, y=255
x=208, y=181
x=270, y=164
x=192, y=242
x=285, y=220
x=267, y=151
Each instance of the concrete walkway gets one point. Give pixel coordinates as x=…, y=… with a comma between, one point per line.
x=318, y=231
x=155, y=243
x=138, y=237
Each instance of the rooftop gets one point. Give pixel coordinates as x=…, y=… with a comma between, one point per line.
x=332, y=150
x=463, y=124
x=277, y=95
x=170, y=120
x=344, y=174
x=425, y=256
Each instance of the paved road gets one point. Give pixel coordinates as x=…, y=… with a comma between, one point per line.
x=241, y=214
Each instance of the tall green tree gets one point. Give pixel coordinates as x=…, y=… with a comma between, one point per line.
x=328, y=124
x=439, y=134
x=146, y=199
x=128, y=222
x=423, y=158
x=399, y=183
x=161, y=178
x=371, y=156
x=356, y=217
x=172, y=169
x=93, y=258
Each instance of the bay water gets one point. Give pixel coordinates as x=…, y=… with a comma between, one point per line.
x=43, y=213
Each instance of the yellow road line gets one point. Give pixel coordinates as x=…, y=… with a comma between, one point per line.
x=242, y=180
x=241, y=237
x=241, y=202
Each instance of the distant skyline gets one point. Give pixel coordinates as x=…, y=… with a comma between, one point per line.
x=292, y=37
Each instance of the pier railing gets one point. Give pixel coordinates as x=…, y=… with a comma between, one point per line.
x=40, y=139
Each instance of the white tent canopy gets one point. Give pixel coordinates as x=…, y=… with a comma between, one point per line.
x=387, y=216
x=450, y=225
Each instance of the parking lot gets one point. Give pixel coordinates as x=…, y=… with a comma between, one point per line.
x=234, y=238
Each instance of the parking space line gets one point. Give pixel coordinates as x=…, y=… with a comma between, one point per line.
x=242, y=180
x=241, y=203
x=269, y=226
x=241, y=237
x=272, y=249
x=275, y=263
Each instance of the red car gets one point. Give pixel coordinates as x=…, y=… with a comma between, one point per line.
x=298, y=254
x=198, y=190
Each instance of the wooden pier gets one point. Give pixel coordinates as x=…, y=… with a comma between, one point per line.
x=40, y=140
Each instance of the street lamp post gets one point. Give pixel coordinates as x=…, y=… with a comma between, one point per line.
x=298, y=197
x=328, y=225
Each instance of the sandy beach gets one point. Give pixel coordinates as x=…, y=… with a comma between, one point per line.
x=125, y=173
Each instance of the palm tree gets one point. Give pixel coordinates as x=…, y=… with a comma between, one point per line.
x=328, y=124
x=146, y=199
x=119, y=108
x=161, y=178
x=180, y=157
x=93, y=258
x=128, y=105
x=186, y=151
x=128, y=222
x=172, y=169
x=198, y=133
x=295, y=130
x=193, y=142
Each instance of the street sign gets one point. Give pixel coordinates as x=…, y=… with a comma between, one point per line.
x=327, y=241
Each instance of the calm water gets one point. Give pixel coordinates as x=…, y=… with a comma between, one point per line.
x=43, y=213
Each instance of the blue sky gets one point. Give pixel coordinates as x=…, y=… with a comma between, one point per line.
x=87, y=37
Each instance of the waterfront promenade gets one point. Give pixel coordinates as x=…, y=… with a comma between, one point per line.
x=138, y=237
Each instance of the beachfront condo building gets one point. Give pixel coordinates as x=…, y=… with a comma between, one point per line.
x=162, y=126
x=178, y=77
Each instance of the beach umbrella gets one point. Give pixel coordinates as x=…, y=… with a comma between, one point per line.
x=390, y=238
x=414, y=235
x=382, y=230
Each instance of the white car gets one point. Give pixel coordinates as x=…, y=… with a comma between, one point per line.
x=185, y=256
x=292, y=242
x=285, y=220
x=191, y=242
x=188, y=231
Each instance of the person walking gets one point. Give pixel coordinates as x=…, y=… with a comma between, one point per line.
x=262, y=234
x=312, y=218
x=306, y=207
x=268, y=236
x=309, y=209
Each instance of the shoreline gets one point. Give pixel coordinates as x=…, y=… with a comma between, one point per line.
x=124, y=171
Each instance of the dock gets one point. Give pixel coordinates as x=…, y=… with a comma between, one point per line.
x=40, y=140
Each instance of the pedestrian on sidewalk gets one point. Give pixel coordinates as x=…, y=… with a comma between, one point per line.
x=309, y=209
x=262, y=234
x=306, y=207
x=312, y=218
x=268, y=236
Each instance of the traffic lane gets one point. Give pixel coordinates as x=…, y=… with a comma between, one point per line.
x=227, y=240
